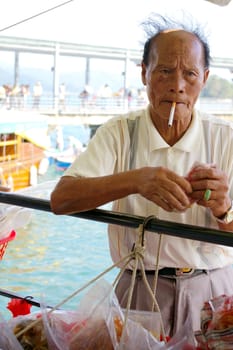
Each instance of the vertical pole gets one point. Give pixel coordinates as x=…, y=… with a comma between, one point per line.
x=87, y=72
x=56, y=79
x=16, y=69
x=126, y=80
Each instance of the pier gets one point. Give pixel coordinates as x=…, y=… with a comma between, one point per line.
x=19, y=45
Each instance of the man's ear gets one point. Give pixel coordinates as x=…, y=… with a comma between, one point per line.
x=206, y=75
x=143, y=73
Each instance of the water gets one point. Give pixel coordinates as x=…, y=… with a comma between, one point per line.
x=54, y=255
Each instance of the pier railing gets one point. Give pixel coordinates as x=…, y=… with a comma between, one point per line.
x=73, y=104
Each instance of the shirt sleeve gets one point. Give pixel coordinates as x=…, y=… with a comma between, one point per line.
x=104, y=153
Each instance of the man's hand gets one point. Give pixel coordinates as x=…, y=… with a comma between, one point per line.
x=204, y=177
x=4, y=188
x=165, y=188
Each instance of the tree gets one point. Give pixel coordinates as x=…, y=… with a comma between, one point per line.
x=218, y=87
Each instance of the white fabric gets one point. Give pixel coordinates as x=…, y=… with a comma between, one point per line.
x=108, y=152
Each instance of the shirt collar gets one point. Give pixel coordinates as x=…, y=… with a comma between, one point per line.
x=186, y=143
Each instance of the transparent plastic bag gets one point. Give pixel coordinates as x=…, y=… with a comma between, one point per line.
x=96, y=324
x=147, y=319
x=85, y=327
x=182, y=340
x=8, y=340
x=136, y=336
x=216, y=324
x=58, y=327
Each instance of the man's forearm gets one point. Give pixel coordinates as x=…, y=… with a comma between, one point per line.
x=80, y=194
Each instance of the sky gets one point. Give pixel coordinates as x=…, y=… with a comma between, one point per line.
x=112, y=23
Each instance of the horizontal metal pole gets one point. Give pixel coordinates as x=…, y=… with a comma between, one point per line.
x=29, y=299
x=197, y=233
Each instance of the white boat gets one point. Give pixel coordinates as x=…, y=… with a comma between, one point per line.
x=64, y=157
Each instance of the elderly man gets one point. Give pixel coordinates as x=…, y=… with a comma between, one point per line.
x=167, y=160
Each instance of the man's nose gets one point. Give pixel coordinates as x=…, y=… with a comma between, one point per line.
x=177, y=82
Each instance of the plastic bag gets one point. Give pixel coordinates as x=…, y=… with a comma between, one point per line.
x=137, y=337
x=8, y=340
x=58, y=326
x=107, y=311
x=85, y=328
x=11, y=218
x=216, y=324
x=182, y=340
x=96, y=324
x=148, y=320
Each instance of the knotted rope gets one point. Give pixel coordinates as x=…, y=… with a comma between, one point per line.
x=138, y=256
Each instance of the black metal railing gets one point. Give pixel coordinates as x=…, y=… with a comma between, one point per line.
x=197, y=233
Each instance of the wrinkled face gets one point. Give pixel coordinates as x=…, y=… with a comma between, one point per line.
x=175, y=72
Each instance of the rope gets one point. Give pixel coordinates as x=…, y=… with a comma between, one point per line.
x=139, y=250
x=138, y=255
x=157, y=266
x=155, y=303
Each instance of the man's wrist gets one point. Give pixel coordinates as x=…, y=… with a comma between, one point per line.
x=227, y=217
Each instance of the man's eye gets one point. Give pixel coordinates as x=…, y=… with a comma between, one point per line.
x=191, y=74
x=165, y=71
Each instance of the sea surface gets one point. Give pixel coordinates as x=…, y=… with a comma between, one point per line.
x=53, y=256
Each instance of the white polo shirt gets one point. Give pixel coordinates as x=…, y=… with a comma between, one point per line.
x=110, y=150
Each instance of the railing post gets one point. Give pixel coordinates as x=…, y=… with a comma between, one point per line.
x=56, y=79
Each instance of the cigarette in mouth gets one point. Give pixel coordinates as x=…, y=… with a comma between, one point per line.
x=172, y=112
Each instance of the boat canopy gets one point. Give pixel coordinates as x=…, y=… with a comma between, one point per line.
x=32, y=127
x=39, y=137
